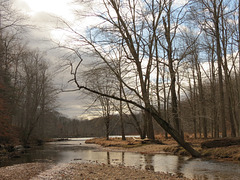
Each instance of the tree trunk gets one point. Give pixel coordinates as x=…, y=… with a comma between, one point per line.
x=107, y=123
x=167, y=27
x=174, y=133
x=150, y=131
x=213, y=97
x=227, y=78
x=120, y=108
x=239, y=63
x=193, y=100
x=201, y=98
x=220, y=74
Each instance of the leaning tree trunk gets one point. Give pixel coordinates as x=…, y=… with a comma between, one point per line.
x=174, y=133
x=166, y=126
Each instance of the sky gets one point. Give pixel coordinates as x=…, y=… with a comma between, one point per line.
x=42, y=15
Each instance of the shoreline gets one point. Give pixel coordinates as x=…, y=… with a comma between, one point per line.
x=75, y=171
x=79, y=170
x=169, y=146
x=94, y=170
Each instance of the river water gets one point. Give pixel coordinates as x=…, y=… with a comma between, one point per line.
x=75, y=150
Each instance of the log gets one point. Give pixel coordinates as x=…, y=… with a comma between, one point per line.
x=146, y=139
x=141, y=140
x=220, y=142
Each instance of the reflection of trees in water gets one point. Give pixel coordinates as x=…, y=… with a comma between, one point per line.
x=108, y=158
x=123, y=156
x=149, y=162
x=146, y=162
x=175, y=165
x=179, y=164
x=120, y=160
x=148, y=159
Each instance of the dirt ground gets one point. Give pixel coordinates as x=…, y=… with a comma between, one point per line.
x=23, y=171
x=77, y=171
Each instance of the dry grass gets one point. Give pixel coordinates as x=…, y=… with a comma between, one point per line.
x=116, y=142
x=228, y=153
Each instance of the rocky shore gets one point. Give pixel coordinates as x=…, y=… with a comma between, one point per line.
x=77, y=171
x=23, y=171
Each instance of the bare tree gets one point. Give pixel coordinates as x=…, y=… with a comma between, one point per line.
x=36, y=92
x=102, y=80
x=134, y=32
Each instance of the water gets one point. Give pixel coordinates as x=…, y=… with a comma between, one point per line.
x=76, y=150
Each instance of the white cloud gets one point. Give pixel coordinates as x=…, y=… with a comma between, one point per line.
x=61, y=8
x=42, y=14
x=180, y=2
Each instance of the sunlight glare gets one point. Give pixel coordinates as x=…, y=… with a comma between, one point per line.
x=59, y=8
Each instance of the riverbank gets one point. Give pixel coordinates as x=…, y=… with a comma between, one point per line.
x=80, y=166
x=76, y=171
x=229, y=153
x=23, y=171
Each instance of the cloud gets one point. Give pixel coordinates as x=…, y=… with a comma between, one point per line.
x=42, y=17
x=22, y=6
x=75, y=105
x=180, y=2
x=63, y=8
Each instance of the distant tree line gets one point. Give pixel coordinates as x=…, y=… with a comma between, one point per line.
x=59, y=126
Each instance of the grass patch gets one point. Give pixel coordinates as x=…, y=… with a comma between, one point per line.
x=232, y=152
x=114, y=142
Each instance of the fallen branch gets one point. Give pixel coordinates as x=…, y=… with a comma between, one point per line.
x=220, y=142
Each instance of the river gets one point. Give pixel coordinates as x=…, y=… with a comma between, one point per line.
x=75, y=150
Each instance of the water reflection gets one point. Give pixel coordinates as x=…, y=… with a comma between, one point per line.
x=182, y=166
x=149, y=162
x=130, y=159
x=123, y=157
x=78, y=151
x=108, y=158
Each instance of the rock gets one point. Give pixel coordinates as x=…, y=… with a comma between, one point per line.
x=19, y=148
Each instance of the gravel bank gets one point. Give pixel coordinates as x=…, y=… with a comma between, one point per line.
x=23, y=171
x=77, y=171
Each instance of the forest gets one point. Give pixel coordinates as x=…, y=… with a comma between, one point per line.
x=159, y=63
